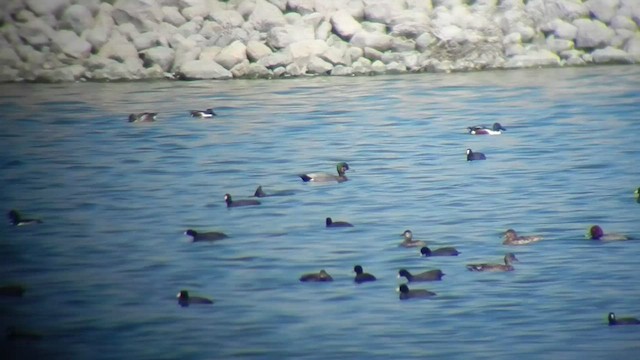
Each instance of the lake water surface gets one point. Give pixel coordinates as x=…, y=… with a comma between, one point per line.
x=103, y=269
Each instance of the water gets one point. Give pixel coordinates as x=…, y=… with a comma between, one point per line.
x=102, y=271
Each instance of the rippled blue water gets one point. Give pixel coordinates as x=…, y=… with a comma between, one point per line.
x=102, y=271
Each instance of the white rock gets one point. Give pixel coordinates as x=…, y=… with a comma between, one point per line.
x=232, y=55
x=373, y=27
x=567, y=10
x=632, y=47
x=159, y=55
x=128, y=30
x=141, y=13
x=146, y=40
x=280, y=4
x=533, y=59
x=227, y=18
x=193, y=12
x=306, y=49
x=604, y=10
x=295, y=69
x=29, y=55
x=611, y=55
x=282, y=36
x=118, y=48
x=246, y=7
x=323, y=31
x=355, y=53
x=35, y=32
x=172, y=15
x=301, y=6
x=362, y=66
x=266, y=16
x=257, y=71
x=8, y=57
x=558, y=45
x=344, y=24
x=69, y=73
x=77, y=18
x=513, y=38
x=318, y=66
x=409, y=29
x=256, y=50
x=402, y=45
x=185, y=54
x=382, y=11
x=564, y=30
x=200, y=69
x=511, y=50
x=293, y=18
x=424, y=41
x=378, y=67
x=592, y=33
x=378, y=41
x=275, y=60
x=209, y=53
x=71, y=44
x=336, y=56
x=188, y=28
x=279, y=71
x=372, y=54
x=396, y=68
x=47, y=7
x=92, y=5
x=623, y=22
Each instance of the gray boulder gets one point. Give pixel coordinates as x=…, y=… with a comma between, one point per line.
x=376, y=40
x=143, y=14
x=227, y=18
x=232, y=55
x=161, y=56
x=257, y=50
x=172, y=15
x=266, y=16
x=341, y=70
x=118, y=48
x=592, y=34
x=69, y=73
x=372, y=54
x=318, y=66
x=275, y=60
x=632, y=47
x=611, y=55
x=603, y=10
x=209, y=53
x=535, y=58
x=185, y=54
x=301, y=6
x=295, y=69
x=282, y=36
x=47, y=7
x=383, y=11
x=623, y=22
x=306, y=49
x=200, y=69
x=344, y=25
x=336, y=56
x=323, y=31
x=146, y=40
x=558, y=45
x=69, y=43
x=35, y=32
x=9, y=58
x=77, y=18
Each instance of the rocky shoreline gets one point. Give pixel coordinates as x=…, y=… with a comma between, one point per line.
x=78, y=40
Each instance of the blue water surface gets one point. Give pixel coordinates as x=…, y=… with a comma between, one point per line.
x=103, y=269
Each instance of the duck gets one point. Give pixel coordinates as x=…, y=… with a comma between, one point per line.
x=509, y=258
x=205, y=236
x=636, y=194
x=143, y=117
x=14, y=333
x=16, y=219
x=596, y=233
x=445, y=251
x=184, y=299
x=475, y=155
x=342, y=167
x=209, y=113
x=430, y=275
x=622, y=321
x=260, y=193
x=512, y=238
x=408, y=241
x=496, y=129
x=362, y=276
x=231, y=203
x=321, y=276
x=333, y=224
x=406, y=293
x=12, y=290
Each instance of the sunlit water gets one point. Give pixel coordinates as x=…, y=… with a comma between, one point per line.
x=103, y=269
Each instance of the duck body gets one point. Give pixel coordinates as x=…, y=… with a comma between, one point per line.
x=622, y=321
x=471, y=156
x=636, y=194
x=496, y=129
x=143, y=117
x=237, y=203
x=12, y=290
x=335, y=224
x=509, y=258
x=596, y=233
x=321, y=177
x=445, y=251
x=205, y=236
x=512, y=238
x=406, y=293
x=260, y=193
x=362, y=276
x=184, y=299
x=408, y=241
x=430, y=275
x=16, y=219
x=14, y=333
x=321, y=276
x=209, y=113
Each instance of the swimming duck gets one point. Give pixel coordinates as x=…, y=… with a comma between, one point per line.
x=231, y=203
x=496, y=129
x=260, y=193
x=17, y=220
x=184, y=299
x=431, y=275
x=331, y=223
x=143, y=117
x=512, y=238
x=596, y=233
x=445, y=251
x=622, y=321
x=322, y=276
x=636, y=194
x=14, y=333
x=406, y=293
x=362, y=276
x=202, y=113
x=205, y=236
x=12, y=290
x=475, y=155
x=509, y=258
x=342, y=167
x=408, y=241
